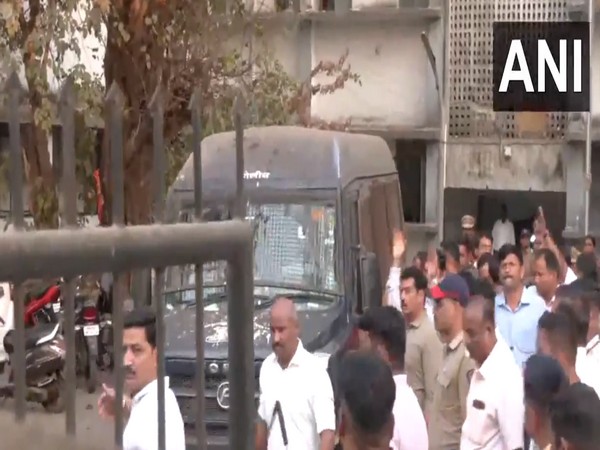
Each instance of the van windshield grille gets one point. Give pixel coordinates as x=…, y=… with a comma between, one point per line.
x=294, y=245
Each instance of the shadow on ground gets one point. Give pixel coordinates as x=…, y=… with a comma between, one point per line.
x=45, y=430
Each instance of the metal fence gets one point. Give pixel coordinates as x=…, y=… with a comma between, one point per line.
x=71, y=251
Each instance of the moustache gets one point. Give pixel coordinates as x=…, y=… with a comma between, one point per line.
x=129, y=370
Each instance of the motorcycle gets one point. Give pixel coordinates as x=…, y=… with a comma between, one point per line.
x=93, y=328
x=105, y=339
x=42, y=305
x=44, y=363
x=87, y=332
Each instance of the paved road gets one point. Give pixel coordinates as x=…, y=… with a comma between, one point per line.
x=88, y=423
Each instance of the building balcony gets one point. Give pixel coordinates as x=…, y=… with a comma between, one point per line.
x=353, y=11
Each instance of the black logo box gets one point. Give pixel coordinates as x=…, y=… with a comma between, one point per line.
x=529, y=33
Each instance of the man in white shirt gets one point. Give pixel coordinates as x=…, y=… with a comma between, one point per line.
x=383, y=331
x=577, y=310
x=367, y=395
x=546, y=275
x=141, y=384
x=296, y=408
x=504, y=230
x=494, y=420
x=392, y=287
x=557, y=337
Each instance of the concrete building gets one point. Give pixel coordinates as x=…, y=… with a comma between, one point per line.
x=524, y=160
x=397, y=98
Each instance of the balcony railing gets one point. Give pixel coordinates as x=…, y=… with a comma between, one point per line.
x=320, y=9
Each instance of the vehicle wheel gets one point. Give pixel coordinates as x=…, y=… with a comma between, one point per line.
x=109, y=357
x=81, y=356
x=56, y=396
x=91, y=380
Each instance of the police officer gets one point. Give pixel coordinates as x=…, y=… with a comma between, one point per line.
x=452, y=383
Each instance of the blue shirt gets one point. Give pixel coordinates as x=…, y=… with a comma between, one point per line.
x=519, y=327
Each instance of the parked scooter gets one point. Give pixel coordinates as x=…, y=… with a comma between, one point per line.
x=93, y=331
x=44, y=362
x=42, y=305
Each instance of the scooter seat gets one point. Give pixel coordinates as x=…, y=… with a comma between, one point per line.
x=32, y=336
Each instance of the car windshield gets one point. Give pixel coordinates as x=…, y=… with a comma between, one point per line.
x=294, y=252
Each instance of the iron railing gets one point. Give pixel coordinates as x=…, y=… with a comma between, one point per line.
x=70, y=251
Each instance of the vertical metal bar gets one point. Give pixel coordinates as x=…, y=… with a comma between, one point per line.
x=16, y=216
x=68, y=196
x=241, y=350
x=114, y=102
x=18, y=295
x=240, y=322
x=160, y=350
x=589, y=123
x=157, y=108
x=442, y=135
x=445, y=118
x=196, y=109
x=238, y=123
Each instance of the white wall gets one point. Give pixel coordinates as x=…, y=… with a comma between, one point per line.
x=281, y=40
x=394, y=71
x=483, y=166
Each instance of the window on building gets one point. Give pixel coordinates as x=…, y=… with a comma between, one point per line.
x=410, y=162
x=327, y=5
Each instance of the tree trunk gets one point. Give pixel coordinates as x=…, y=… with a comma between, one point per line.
x=137, y=126
x=138, y=188
x=41, y=180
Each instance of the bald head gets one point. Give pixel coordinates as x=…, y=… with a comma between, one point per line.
x=284, y=308
x=285, y=330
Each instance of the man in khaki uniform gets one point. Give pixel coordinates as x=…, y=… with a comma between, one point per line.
x=423, y=347
x=452, y=384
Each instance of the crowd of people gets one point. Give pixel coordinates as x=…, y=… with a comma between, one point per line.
x=471, y=349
